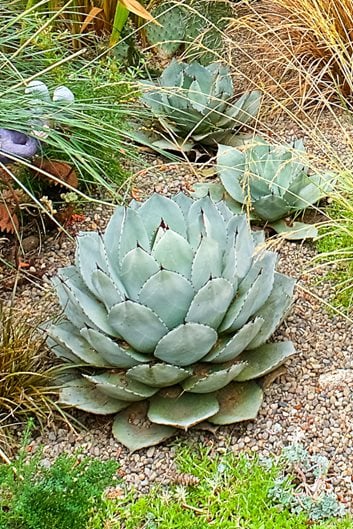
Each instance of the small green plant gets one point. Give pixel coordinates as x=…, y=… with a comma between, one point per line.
x=194, y=104
x=168, y=315
x=335, y=247
x=61, y=495
x=311, y=494
x=211, y=490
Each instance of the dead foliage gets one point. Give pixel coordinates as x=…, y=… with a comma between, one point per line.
x=301, y=51
x=58, y=173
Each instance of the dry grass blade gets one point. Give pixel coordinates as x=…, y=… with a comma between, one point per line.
x=306, y=45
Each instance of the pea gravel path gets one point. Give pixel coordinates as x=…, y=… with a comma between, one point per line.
x=311, y=401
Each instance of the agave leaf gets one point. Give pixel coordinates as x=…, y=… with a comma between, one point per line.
x=295, y=230
x=186, y=344
x=222, y=80
x=275, y=309
x=207, y=262
x=132, y=428
x=68, y=335
x=228, y=348
x=211, y=302
x=111, y=352
x=118, y=386
x=202, y=74
x=238, y=209
x=133, y=233
x=226, y=212
x=156, y=142
x=184, y=202
x=212, y=378
x=61, y=351
x=159, y=209
x=158, y=375
x=184, y=411
x=230, y=168
x=139, y=326
x=245, y=108
x=252, y=293
x=89, y=257
x=230, y=265
x=174, y=253
x=244, y=244
x=199, y=100
x=238, y=402
x=112, y=233
x=173, y=75
x=272, y=208
x=94, y=312
x=212, y=222
x=306, y=190
x=71, y=310
x=81, y=394
x=169, y=295
x=152, y=98
x=259, y=238
x=105, y=289
x=213, y=190
x=264, y=359
x=136, y=268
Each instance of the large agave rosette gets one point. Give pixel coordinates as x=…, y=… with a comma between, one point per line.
x=167, y=315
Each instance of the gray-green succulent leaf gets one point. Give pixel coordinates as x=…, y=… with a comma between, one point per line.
x=273, y=181
x=196, y=104
x=169, y=312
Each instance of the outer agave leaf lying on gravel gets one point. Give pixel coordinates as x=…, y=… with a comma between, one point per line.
x=272, y=180
x=195, y=104
x=167, y=318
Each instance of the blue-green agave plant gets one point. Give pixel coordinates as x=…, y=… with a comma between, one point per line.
x=195, y=104
x=167, y=318
x=270, y=181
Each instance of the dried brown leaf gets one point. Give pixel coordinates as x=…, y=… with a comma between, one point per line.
x=91, y=18
x=60, y=170
x=8, y=219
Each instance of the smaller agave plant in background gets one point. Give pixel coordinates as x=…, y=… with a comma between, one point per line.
x=195, y=104
x=271, y=182
x=167, y=318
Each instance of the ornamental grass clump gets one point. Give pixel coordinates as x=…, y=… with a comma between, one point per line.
x=195, y=104
x=304, y=49
x=167, y=317
x=26, y=379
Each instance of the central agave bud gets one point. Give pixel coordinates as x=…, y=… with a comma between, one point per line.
x=167, y=315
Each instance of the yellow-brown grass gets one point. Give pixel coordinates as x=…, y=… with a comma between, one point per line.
x=302, y=49
x=26, y=381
